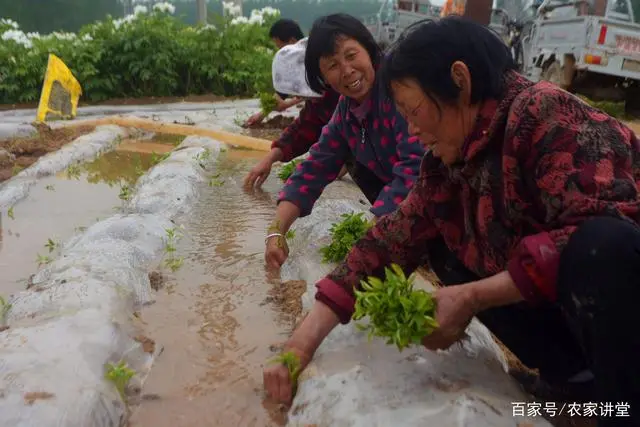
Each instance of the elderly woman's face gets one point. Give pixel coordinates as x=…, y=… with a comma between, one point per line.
x=349, y=70
x=436, y=128
x=443, y=129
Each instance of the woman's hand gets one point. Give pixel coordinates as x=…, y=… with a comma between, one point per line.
x=276, y=251
x=304, y=342
x=277, y=380
x=254, y=119
x=259, y=173
x=455, y=307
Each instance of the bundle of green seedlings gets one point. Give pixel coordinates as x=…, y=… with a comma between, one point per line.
x=287, y=169
x=344, y=235
x=398, y=312
x=268, y=102
x=292, y=362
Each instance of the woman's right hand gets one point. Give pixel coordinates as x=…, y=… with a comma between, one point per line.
x=304, y=342
x=276, y=251
x=259, y=173
x=277, y=380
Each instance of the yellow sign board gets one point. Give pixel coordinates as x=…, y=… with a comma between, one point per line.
x=60, y=92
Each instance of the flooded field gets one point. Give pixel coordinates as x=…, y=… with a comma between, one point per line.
x=60, y=206
x=212, y=317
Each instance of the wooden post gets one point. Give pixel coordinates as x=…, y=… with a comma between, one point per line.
x=202, y=12
x=128, y=7
x=479, y=11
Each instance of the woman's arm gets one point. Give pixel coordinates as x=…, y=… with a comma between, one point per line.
x=406, y=168
x=305, y=130
x=401, y=237
x=284, y=104
x=577, y=163
x=320, y=168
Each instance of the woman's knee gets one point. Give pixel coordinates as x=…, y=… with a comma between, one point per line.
x=603, y=242
x=600, y=263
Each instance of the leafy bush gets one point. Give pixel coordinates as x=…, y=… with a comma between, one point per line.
x=146, y=54
x=344, y=235
x=397, y=312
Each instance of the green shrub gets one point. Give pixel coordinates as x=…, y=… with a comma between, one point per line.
x=147, y=54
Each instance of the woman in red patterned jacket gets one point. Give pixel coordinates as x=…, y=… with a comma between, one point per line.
x=527, y=208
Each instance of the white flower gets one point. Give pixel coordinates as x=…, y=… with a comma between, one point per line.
x=239, y=20
x=10, y=23
x=269, y=11
x=87, y=37
x=231, y=9
x=164, y=8
x=140, y=9
x=123, y=21
x=18, y=37
x=208, y=27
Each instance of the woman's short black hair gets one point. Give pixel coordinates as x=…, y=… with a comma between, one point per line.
x=427, y=49
x=285, y=30
x=324, y=34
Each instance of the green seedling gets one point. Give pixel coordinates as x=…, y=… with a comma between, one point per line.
x=16, y=169
x=50, y=188
x=157, y=158
x=396, y=311
x=51, y=245
x=73, y=171
x=125, y=192
x=10, y=213
x=239, y=119
x=268, y=102
x=203, y=156
x=43, y=259
x=292, y=362
x=344, y=235
x=119, y=375
x=174, y=264
x=215, y=182
x=287, y=169
x=173, y=235
x=289, y=235
x=4, y=309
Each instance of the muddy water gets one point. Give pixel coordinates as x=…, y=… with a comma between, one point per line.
x=211, y=316
x=59, y=206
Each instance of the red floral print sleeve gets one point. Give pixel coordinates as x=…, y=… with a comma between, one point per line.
x=305, y=130
x=401, y=237
x=581, y=165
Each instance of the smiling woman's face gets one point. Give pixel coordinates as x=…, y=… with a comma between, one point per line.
x=349, y=70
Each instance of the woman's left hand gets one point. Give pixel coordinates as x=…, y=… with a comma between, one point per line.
x=455, y=307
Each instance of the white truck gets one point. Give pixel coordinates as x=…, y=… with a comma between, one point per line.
x=395, y=16
x=588, y=47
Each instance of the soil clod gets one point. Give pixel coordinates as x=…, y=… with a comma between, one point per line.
x=157, y=280
x=286, y=297
x=148, y=345
x=31, y=397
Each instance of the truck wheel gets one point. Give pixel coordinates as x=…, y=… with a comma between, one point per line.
x=632, y=101
x=554, y=73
